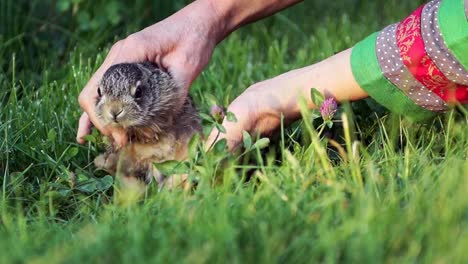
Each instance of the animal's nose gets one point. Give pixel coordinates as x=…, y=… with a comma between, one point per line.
x=115, y=113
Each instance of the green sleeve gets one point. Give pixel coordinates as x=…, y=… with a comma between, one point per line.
x=367, y=72
x=453, y=25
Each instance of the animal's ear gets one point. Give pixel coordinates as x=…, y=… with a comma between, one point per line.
x=147, y=68
x=135, y=91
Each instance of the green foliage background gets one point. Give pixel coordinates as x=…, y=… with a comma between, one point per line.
x=398, y=195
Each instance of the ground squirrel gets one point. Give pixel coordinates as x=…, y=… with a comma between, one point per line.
x=156, y=114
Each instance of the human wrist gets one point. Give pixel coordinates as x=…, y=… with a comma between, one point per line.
x=206, y=18
x=232, y=14
x=226, y=17
x=217, y=19
x=219, y=23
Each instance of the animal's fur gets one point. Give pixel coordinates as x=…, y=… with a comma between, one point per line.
x=146, y=102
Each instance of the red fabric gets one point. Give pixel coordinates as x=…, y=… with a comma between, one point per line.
x=421, y=66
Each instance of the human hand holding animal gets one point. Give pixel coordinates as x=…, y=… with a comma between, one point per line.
x=182, y=44
x=152, y=110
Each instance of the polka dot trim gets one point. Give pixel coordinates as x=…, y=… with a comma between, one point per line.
x=437, y=49
x=466, y=8
x=393, y=68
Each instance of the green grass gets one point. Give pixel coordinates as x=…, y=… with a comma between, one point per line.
x=397, y=194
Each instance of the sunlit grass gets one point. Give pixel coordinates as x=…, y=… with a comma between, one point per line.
x=379, y=189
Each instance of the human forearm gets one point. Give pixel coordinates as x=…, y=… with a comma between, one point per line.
x=223, y=17
x=332, y=77
x=260, y=107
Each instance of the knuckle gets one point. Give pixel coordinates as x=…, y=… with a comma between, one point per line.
x=105, y=132
x=82, y=118
x=132, y=40
x=82, y=100
x=117, y=46
x=235, y=106
x=131, y=43
x=255, y=87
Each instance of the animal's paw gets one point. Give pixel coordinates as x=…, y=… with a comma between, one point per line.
x=107, y=161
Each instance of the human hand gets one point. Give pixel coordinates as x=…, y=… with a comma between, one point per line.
x=182, y=44
x=259, y=108
x=258, y=111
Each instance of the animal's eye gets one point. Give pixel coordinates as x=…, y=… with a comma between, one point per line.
x=99, y=91
x=138, y=92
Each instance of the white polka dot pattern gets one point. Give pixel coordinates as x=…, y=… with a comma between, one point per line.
x=436, y=47
x=466, y=8
x=393, y=68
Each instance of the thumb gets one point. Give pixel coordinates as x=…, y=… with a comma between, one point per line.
x=234, y=129
x=119, y=136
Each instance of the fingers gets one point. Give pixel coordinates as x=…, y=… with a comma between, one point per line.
x=120, y=137
x=180, y=68
x=84, y=128
x=256, y=113
x=233, y=136
x=87, y=101
x=234, y=129
x=88, y=97
x=186, y=61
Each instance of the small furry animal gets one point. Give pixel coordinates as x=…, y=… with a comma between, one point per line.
x=158, y=118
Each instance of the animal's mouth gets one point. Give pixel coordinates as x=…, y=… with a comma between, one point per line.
x=118, y=118
x=118, y=124
x=115, y=124
x=121, y=123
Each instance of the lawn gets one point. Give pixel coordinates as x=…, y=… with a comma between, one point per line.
x=373, y=188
